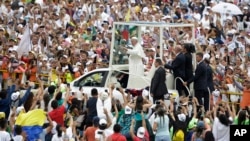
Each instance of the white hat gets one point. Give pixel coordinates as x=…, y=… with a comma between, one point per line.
x=59, y=48
x=19, y=109
x=206, y=13
x=65, y=68
x=206, y=56
x=78, y=64
x=132, y=1
x=182, y=117
x=229, y=18
x=104, y=95
x=211, y=41
x=75, y=69
x=65, y=56
x=245, y=7
x=147, y=31
x=141, y=132
x=207, y=27
x=166, y=17
x=45, y=59
x=153, y=49
x=216, y=93
x=145, y=93
x=145, y=10
x=20, y=25
x=68, y=40
x=102, y=121
x=21, y=62
x=93, y=56
x=231, y=68
x=116, y=0
x=128, y=110
x=89, y=62
x=15, y=96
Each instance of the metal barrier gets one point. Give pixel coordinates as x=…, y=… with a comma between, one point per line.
x=182, y=82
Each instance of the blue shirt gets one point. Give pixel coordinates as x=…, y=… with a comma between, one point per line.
x=125, y=122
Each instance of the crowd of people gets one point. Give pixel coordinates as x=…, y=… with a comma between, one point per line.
x=47, y=43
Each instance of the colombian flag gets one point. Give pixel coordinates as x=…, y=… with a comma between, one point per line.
x=32, y=123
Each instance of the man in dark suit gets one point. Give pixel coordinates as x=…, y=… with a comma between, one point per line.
x=158, y=88
x=178, y=67
x=200, y=81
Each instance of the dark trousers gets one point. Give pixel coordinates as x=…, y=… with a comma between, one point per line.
x=155, y=98
x=199, y=94
x=180, y=88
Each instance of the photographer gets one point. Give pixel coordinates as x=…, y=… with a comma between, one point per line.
x=103, y=133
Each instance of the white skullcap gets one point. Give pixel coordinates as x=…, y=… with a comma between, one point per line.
x=134, y=38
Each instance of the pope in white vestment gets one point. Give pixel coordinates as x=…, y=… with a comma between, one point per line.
x=136, y=67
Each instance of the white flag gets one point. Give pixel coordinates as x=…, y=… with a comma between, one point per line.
x=24, y=45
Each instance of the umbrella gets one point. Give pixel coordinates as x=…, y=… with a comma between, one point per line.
x=224, y=8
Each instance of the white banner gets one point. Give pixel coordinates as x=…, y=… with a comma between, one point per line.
x=25, y=43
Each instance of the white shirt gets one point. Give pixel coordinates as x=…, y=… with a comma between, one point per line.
x=220, y=131
x=68, y=134
x=104, y=16
x=18, y=138
x=107, y=133
x=4, y=136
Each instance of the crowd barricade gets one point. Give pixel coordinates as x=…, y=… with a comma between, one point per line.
x=232, y=97
x=43, y=77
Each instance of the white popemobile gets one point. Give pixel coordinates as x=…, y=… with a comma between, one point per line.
x=118, y=63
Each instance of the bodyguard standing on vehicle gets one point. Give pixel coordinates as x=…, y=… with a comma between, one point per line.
x=178, y=67
x=200, y=80
x=158, y=88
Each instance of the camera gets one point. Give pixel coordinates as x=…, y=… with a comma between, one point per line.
x=100, y=132
x=157, y=102
x=179, y=108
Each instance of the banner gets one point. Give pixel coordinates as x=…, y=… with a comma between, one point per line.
x=25, y=43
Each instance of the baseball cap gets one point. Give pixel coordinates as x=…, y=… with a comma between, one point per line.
x=102, y=121
x=200, y=124
x=192, y=124
x=128, y=110
x=104, y=95
x=19, y=109
x=141, y=132
x=96, y=120
x=2, y=115
x=182, y=117
x=15, y=96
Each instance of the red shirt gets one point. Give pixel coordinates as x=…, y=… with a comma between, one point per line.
x=90, y=133
x=117, y=137
x=57, y=115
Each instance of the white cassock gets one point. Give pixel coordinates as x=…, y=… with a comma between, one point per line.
x=136, y=68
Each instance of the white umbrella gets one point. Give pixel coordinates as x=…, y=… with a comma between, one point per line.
x=229, y=8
